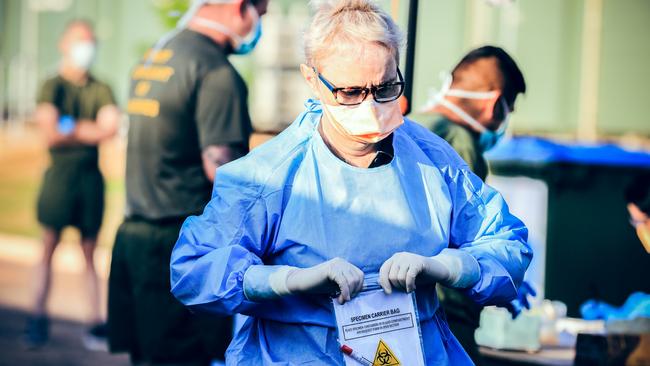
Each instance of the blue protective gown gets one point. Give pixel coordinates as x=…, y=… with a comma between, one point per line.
x=292, y=202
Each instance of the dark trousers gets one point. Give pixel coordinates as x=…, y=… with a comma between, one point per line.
x=463, y=319
x=144, y=318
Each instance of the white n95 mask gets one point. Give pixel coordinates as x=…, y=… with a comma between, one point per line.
x=488, y=138
x=82, y=54
x=368, y=122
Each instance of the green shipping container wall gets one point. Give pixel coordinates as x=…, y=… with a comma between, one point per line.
x=591, y=251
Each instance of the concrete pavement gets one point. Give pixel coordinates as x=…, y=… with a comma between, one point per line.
x=68, y=306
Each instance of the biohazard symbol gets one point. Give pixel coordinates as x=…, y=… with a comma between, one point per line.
x=384, y=356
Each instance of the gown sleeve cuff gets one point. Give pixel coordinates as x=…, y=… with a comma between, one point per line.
x=464, y=270
x=262, y=282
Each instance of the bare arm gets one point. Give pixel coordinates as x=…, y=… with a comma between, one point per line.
x=215, y=156
x=92, y=133
x=47, y=117
x=85, y=132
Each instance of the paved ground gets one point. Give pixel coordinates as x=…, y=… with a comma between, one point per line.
x=18, y=259
x=64, y=348
x=69, y=309
x=23, y=158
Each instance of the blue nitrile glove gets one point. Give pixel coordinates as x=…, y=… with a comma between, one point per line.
x=637, y=305
x=521, y=302
x=66, y=124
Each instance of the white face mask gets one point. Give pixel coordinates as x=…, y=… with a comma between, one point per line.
x=488, y=138
x=82, y=54
x=368, y=122
x=437, y=97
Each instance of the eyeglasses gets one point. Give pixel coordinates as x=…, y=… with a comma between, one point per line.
x=354, y=95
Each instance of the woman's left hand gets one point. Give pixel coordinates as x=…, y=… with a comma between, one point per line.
x=402, y=269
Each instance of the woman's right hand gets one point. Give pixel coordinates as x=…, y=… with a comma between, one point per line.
x=334, y=276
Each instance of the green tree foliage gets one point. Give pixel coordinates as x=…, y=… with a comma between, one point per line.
x=170, y=11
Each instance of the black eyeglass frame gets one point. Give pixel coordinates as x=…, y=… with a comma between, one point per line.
x=371, y=90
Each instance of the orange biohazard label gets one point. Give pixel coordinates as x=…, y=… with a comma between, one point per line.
x=384, y=356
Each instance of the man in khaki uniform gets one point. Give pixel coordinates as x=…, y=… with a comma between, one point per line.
x=188, y=115
x=76, y=112
x=474, y=109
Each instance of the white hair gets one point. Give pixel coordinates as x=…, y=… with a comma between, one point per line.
x=339, y=23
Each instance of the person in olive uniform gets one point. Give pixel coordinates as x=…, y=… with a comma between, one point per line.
x=474, y=107
x=188, y=115
x=75, y=112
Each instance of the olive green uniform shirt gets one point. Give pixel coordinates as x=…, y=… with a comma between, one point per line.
x=184, y=98
x=465, y=141
x=78, y=102
x=72, y=193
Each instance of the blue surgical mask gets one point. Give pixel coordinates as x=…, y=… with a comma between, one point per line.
x=248, y=43
x=241, y=45
x=489, y=138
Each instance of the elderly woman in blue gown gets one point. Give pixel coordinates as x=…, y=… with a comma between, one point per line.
x=350, y=189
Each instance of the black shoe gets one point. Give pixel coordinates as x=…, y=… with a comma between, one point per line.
x=37, y=331
x=95, y=339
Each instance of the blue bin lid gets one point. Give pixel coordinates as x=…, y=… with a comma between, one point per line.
x=534, y=150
